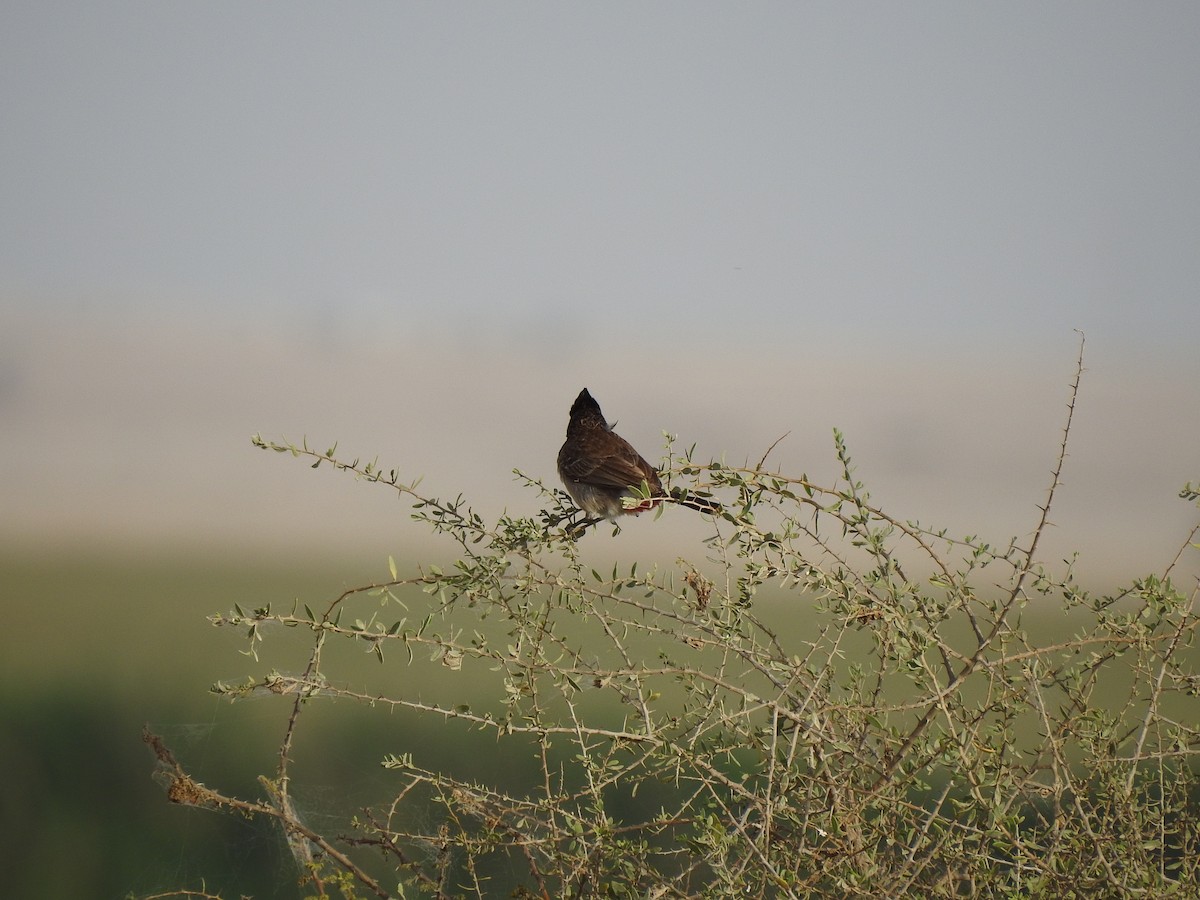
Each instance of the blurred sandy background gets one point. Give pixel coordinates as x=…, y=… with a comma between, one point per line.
x=135, y=435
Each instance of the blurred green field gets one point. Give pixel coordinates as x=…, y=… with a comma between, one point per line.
x=95, y=647
x=98, y=646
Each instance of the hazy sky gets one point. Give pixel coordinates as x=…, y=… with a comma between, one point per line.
x=421, y=228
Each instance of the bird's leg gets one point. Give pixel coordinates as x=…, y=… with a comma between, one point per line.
x=576, y=530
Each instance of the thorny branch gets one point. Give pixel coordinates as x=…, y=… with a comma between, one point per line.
x=830, y=703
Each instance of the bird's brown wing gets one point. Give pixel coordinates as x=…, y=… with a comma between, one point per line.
x=608, y=460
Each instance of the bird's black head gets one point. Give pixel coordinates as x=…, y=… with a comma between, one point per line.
x=585, y=410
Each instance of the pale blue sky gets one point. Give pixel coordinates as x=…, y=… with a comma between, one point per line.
x=939, y=168
x=825, y=197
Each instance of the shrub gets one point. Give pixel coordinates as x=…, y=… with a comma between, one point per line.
x=918, y=734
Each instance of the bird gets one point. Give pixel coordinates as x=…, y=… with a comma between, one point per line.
x=605, y=476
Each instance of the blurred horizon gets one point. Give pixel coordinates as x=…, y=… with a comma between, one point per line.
x=151, y=452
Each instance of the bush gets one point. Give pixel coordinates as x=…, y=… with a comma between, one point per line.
x=832, y=702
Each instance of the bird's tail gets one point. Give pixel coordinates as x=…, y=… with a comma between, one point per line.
x=700, y=502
